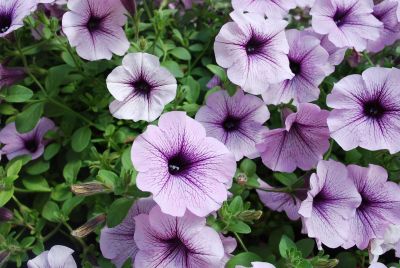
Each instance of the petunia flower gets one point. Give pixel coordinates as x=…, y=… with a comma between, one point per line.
x=178, y=242
x=57, y=256
x=215, y=81
x=270, y=8
x=310, y=65
x=388, y=241
x=229, y=243
x=331, y=202
x=380, y=205
x=305, y=3
x=31, y=143
x=366, y=110
x=347, y=23
x=12, y=14
x=118, y=243
x=95, y=28
x=181, y=167
x=236, y=121
x=281, y=201
x=257, y=264
x=301, y=143
x=141, y=88
x=11, y=75
x=390, y=32
x=254, y=50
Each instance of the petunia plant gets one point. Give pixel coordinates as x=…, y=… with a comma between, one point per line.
x=199, y=133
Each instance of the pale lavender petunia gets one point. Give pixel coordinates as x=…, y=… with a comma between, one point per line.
x=310, y=65
x=305, y=3
x=181, y=167
x=118, y=243
x=332, y=200
x=215, y=81
x=95, y=28
x=257, y=264
x=165, y=241
x=11, y=75
x=390, y=32
x=229, y=243
x=348, y=23
x=301, y=143
x=270, y=8
x=141, y=88
x=366, y=110
x=236, y=121
x=254, y=50
x=380, y=205
x=12, y=14
x=281, y=201
x=57, y=256
x=31, y=143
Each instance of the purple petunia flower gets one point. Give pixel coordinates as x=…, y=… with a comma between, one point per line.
x=95, y=28
x=214, y=82
x=236, y=121
x=181, y=167
x=331, y=202
x=270, y=8
x=12, y=14
x=347, y=23
x=309, y=63
x=390, y=32
x=10, y=76
x=366, y=110
x=57, y=256
x=301, y=143
x=31, y=143
x=229, y=243
x=281, y=201
x=380, y=205
x=254, y=50
x=118, y=243
x=165, y=241
x=141, y=88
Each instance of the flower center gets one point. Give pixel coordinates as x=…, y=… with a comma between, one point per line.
x=231, y=123
x=31, y=145
x=5, y=22
x=142, y=86
x=340, y=16
x=178, y=164
x=374, y=109
x=254, y=46
x=93, y=23
x=295, y=67
x=365, y=202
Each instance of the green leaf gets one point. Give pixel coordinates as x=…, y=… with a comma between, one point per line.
x=126, y=159
x=51, y=150
x=118, y=211
x=38, y=168
x=81, y=139
x=55, y=78
x=5, y=196
x=192, y=89
x=236, y=205
x=346, y=260
x=108, y=177
x=14, y=168
x=306, y=246
x=51, y=212
x=174, y=68
x=70, y=204
x=181, y=53
x=71, y=171
x=239, y=227
x=218, y=71
x=248, y=167
x=27, y=241
x=61, y=192
x=28, y=119
x=36, y=184
x=285, y=245
x=287, y=179
x=18, y=94
x=244, y=259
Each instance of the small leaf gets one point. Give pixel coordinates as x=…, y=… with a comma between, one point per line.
x=118, y=211
x=51, y=150
x=181, y=53
x=14, y=168
x=248, y=167
x=18, y=94
x=174, y=68
x=70, y=204
x=81, y=139
x=287, y=179
x=306, y=246
x=28, y=119
x=239, y=227
x=51, y=212
x=71, y=171
x=5, y=196
x=36, y=184
x=38, y=168
x=218, y=71
x=236, y=205
x=244, y=259
x=285, y=245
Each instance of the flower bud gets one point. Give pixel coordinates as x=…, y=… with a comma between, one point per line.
x=89, y=226
x=89, y=188
x=250, y=215
x=241, y=179
x=130, y=6
x=5, y=215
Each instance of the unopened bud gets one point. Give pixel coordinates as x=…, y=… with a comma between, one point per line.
x=89, y=188
x=250, y=215
x=326, y=263
x=241, y=179
x=5, y=215
x=89, y=226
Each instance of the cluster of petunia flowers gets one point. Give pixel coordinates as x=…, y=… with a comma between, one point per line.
x=188, y=164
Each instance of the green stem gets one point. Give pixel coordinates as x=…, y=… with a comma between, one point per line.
x=368, y=59
x=328, y=154
x=53, y=232
x=240, y=242
x=20, y=190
